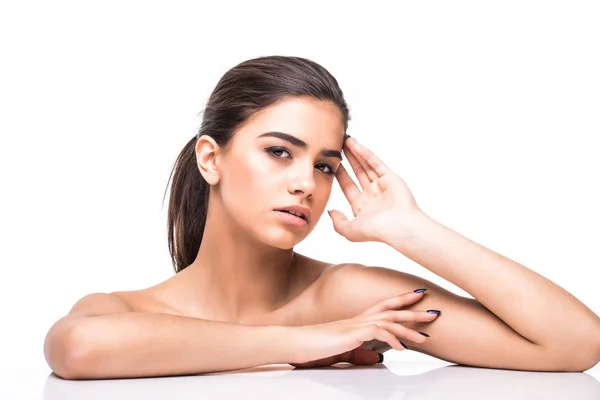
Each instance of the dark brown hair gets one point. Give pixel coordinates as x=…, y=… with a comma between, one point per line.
x=244, y=90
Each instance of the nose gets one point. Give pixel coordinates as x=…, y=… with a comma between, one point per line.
x=303, y=180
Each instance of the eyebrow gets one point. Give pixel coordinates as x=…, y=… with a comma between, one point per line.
x=301, y=143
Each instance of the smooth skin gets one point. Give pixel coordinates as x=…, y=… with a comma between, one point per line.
x=345, y=339
x=249, y=299
x=517, y=319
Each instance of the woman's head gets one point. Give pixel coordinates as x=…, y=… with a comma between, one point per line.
x=244, y=174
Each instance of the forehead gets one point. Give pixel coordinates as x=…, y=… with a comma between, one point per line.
x=300, y=116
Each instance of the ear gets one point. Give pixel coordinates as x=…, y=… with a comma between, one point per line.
x=208, y=154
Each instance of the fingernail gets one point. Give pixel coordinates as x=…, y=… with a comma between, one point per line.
x=424, y=334
x=438, y=312
x=405, y=346
x=380, y=358
x=420, y=290
x=346, y=136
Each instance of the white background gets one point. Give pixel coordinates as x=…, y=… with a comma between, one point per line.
x=490, y=113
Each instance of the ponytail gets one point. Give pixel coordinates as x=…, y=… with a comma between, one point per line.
x=188, y=206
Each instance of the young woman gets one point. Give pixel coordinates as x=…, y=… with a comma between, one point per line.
x=251, y=185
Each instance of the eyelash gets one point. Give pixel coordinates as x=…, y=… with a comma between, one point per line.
x=272, y=150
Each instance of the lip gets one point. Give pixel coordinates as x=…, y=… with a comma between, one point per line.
x=297, y=208
x=291, y=219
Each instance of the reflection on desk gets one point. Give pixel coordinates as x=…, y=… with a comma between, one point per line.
x=388, y=380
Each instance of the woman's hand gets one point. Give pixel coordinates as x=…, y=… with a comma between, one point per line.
x=383, y=207
x=339, y=341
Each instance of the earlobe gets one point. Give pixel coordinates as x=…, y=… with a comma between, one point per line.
x=207, y=156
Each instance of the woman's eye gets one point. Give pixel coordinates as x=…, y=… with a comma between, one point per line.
x=276, y=152
x=273, y=150
x=330, y=170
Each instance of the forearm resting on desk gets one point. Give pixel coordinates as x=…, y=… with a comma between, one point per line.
x=133, y=344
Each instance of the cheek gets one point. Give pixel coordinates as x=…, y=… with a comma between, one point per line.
x=323, y=199
x=244, y=173
x=246, y=183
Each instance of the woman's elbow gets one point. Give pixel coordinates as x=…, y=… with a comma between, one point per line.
x=585, y=357
x=594, y=355
x=66, y=352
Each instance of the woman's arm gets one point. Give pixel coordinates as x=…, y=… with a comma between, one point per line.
x=465, y=333
x=103, y=338
x=543, y=313
x=519, y=319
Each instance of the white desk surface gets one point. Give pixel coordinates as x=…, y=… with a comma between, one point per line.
x=394, y=379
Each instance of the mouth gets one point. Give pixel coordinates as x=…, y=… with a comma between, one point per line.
x=296, y=213
x=292, y=217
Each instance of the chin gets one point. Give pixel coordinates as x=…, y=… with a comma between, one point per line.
x=281, y=238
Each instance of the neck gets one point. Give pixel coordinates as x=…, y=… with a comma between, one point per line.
x=235, y=276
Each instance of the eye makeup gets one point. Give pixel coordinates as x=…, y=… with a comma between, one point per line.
x=301, y=143
x=278, y=149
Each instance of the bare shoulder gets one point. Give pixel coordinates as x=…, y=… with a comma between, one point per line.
x=98, y=304
x=143, y=300
x=90, y=305
x=349, y=289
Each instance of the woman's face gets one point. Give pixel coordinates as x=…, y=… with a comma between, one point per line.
x=260, y=172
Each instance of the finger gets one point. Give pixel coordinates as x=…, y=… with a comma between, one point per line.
x=394, y=302
x=362, y=166
x=340, y=222
x=364, y=177
x=323, y=362
x=349, y=188
x=374, y=331
x=367, y=155
x=360, y=356
x=401, y=331
x=403, y=316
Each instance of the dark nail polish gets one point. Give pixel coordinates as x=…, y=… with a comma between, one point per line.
x=438, y=312
x=420, y=290
x=405, y=346
x=346, y=136
x=380, y=357
x=424, y=334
